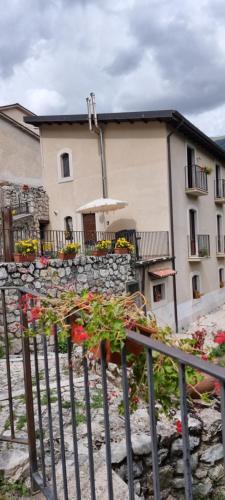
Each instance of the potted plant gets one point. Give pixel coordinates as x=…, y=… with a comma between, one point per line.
x=206, y=170
x=68, y=235
x=203, y=252
x=221, y=284
x=197, y=294
x=26, y=250
x=69, y=251
x=123, y=246
x=102, y=247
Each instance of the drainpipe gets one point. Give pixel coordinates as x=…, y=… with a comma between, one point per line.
x=99, y=131
x=172, y=222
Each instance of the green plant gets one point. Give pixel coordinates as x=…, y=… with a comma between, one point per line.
x=97, y=400
x=7, y=424
x=12, y=489
x=22, y=419
x=103, y=245
x=66, y=405
x=2, y=351
x=123, y=243
x=70, y=248
x=25, y=247
x=44, y=398
x=203, y=252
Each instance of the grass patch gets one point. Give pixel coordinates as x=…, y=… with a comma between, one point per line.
x=44, y=398
x=80, y=418
x=7, y=424
x=2, y=351
x=97, y=400
x=66, y=405
x=22, y=420
x=12, y=489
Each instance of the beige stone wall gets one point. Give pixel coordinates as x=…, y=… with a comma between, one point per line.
x=20, y=158
x=136, y=159
x=18, y=114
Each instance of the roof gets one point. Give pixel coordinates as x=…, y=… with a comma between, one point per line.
x=162, y=273
x=172, y=117
x=19, y=125
x=220, y=141
x=17, y=105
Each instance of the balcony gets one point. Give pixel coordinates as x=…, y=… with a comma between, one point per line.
x=219, y=191
x=196, y=181
x=198, y=247
x=220, y=246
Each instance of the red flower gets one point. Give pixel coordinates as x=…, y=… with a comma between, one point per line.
x=43, y=260
x=220, y=338
x=217, y=387
x=204, y=357
x=90, y=296
x=35, y=313
x=78, y=334
x=179, y=426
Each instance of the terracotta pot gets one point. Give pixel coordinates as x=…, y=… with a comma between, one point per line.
x=67, y=256
x=99, y=253
x=205, y=385
x=132, y=347
x=18, y=257
x=146, y=330
x=121, y=251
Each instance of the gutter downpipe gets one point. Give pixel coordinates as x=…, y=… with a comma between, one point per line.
x=99, y=131
x=172, y=222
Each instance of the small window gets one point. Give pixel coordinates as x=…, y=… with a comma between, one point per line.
x=221, y=277
x=159, y=292
x=65, y=165
x=196, y=287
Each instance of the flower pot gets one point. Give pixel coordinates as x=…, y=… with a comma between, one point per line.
x=67, y=256
x=121, y=251
x=132, y=347
x=18, y=257
x=99, y=253
x=205, y=385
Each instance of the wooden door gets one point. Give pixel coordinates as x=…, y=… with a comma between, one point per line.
x=89, y=226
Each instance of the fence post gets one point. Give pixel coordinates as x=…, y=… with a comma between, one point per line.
x=29, y=399
x=7, y=226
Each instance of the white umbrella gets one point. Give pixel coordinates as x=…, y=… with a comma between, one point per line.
x=102, y=205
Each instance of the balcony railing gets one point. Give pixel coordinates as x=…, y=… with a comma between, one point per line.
x=20, y=209
x=196, y=181
x=219, y=190
x=199, y=247
x=220, y=245
x=147, y=245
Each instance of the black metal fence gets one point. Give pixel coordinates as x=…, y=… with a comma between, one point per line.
x=219, y=188
x=196, y=178
x=50, y=242
x=45, y=476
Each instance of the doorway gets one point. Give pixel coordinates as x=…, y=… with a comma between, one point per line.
x=89, y=227
x=219, y=233
x=190, y=165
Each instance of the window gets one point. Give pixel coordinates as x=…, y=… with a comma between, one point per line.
x=221, y=277
x=65, y=165
x=159, y=292
x=196, y=287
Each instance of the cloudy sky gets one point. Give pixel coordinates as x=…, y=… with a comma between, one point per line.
x=135, y=55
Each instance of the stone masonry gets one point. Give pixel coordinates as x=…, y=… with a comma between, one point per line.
x=106, y=274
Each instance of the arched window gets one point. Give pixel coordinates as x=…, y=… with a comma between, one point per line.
x=65, y=165
x=196, y=287
x=68, y=228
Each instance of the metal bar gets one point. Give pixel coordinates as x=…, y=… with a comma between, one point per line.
x=46, y=490
x=185, y=433
x=74, y=421
x=41, y=437
x=223, y=418
x=8, y=369
x=89, y=428
x=106, y=421
x=28, y=396
x=151, y=398
x=51, y=437
x=187, y=359
x=14, y=440
x=58, y=381
x=127, y=425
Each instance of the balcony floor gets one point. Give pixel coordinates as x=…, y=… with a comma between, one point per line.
x=196, y=192
x=220, y=201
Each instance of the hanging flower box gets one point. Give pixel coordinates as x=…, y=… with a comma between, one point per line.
x=102, y=247
x=67, y=256
x=24, y=258
x=99, y=253
x=123, y=246
x=69, y=251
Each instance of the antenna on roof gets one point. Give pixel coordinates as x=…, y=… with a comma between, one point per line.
x=93, y=102
x=88, y=101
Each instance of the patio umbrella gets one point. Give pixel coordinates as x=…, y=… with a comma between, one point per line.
x=102, y=205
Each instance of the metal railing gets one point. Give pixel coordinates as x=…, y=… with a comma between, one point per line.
x=146, y=244
x=219, y=188
x=40, y=436
x=20, y=209
x=196, y=178
x=199, y=246
x=220, y=244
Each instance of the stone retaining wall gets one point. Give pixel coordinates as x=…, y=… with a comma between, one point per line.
x=105, y=274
